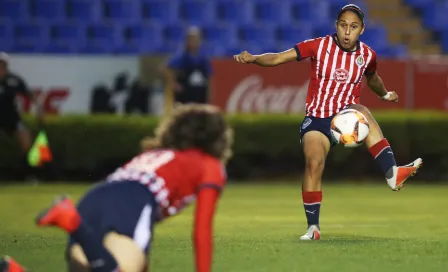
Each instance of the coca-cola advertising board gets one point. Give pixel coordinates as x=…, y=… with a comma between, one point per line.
x=248, y=88
x=251, y=89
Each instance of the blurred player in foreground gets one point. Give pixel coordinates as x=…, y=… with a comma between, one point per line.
x=111, y=229
x=338, y=62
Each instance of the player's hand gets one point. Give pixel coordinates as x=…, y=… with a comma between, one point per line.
x=244, y=57
x=392, y=97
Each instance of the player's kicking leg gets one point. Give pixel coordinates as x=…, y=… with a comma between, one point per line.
x=380, y=149
x=8, y=264
x=316, y=146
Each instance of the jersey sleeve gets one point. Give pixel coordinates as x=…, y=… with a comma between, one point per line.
x=208, y=192
x=306, y=49
x=214, y=175
x=203, y=229
x=371, y=66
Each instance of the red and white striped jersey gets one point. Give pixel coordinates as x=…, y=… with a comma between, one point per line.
x=336, y=74
x=173, y=176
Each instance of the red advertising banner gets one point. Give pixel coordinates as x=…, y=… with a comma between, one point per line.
x=430, y=83
x=246, y=88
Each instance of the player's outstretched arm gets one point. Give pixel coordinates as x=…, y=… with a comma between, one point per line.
x=376, y=84
x=203, y=228
x=267, y=59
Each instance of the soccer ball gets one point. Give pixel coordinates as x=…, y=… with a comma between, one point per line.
x=350, y=128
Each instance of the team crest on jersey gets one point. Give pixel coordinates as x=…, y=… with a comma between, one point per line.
x=340, y=75
x=360, y=60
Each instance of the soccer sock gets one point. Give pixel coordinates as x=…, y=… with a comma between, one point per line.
x=382, y=152
x=99, y=257
x=311, y=202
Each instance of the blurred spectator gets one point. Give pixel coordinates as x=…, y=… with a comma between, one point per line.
x=12, y=85
x=100, y=100
x=188, y=72
x=138, y=98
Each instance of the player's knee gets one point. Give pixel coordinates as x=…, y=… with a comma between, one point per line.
x=315, y=164
x=363, y=109
x=76, y=260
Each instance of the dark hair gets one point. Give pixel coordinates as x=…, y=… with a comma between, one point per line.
x=194, y=126
x=354, y=8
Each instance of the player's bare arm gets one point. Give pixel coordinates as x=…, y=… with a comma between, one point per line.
x=267, y=59
x=376, y=84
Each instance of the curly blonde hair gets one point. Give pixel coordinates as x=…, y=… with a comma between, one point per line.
x=193, y=126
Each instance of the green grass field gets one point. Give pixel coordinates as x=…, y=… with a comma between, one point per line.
x=364, y=228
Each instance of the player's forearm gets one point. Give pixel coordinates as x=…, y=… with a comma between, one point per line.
x=377, y=86
x=267, y=59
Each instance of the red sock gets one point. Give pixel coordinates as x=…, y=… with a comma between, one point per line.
x=382, y=153
x=311, y=203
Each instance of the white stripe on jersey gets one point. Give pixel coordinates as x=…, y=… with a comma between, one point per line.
x=330, y=42
x=350, y=75
x=369, y=59
x=352, y=86
x=335, y=91
x=330, y=81
x=319, y=54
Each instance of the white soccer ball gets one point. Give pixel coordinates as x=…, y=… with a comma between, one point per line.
x=350, y=128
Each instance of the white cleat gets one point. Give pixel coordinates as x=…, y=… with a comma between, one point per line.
x=313, y=233
x=402, y=173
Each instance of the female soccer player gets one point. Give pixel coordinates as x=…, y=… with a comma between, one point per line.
x=111, y=229
x=338, y=62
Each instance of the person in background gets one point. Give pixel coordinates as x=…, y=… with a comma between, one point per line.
x=10, y=120
x=188, y=72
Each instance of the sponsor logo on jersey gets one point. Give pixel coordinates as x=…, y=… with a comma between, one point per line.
x=340, y=75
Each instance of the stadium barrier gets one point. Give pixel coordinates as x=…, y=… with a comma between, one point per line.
x=266, y=146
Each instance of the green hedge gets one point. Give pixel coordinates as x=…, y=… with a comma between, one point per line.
x=265, y=146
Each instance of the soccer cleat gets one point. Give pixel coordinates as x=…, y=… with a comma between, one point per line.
x=313, y=233
x=402, y=173
x=62, y=214
x=7, y=264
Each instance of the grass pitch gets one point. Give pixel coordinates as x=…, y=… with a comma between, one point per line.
x=364, y=228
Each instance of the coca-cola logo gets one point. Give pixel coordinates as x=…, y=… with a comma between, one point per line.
x=251, y=96
x=340, y=75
